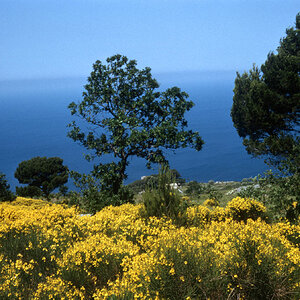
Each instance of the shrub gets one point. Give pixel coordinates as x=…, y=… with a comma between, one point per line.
x=164, y=200
x=218, y=214
x=91, y=196
x=28, y=191
x=91, y=263
x=278, y=193
x=241, y=209
x=194, y=188
x=213, y=193
x=211, y=202
x=51, y=252
x=57, y=288
x=198, y=215
x=152, y=180
x=227, y=260
x=5, y=193
x=33, y=236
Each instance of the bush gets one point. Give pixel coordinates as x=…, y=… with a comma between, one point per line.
x=279, y=194
x=142, y=184
x=51, y=252
x=56, y=288
x=227, y=260
x=241, y=209
x=28, y=191
x=198, y=215
x=33, y=236
x=5, y=193
x=92, y=199
x=164, y=200
x=152, y=180
x=194, y=188
x=218, y=214
x=214, y=194
x=96, y=260
x=211, y=202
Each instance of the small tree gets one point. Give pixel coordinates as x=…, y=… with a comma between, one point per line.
x=266, y=105
x=42, y=174
x=5, y=193
x=127, y=116
x=164, y=199
x=92, y=197
x=195, y=188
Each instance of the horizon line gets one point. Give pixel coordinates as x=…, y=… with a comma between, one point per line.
x=159, y=73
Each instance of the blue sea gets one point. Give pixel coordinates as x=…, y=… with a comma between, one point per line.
x=34, y=118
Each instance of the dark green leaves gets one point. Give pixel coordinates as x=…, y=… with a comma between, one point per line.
x=266, y=104
x=5, y=193
x=43, y=173
x=126, y=116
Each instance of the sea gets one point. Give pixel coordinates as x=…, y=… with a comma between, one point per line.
x=35, y=115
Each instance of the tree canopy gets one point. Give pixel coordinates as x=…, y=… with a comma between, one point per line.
x=45, y=174
x=5, y=193
x=266, y=104
x=127, y=116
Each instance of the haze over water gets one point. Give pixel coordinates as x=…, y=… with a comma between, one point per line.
x=35, y=117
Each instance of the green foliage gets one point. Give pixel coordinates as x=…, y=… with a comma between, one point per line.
x=92, y=197
x=256, y=274
x=164, y=200
x=265, y=107
x=140, y=185
x=28, y=191
x=194, y=188
x=182, y=280
x=42, y=174
x=152, y=180
x=214, y=194
x=127, y=116
x=5, y=193
x=280, y=194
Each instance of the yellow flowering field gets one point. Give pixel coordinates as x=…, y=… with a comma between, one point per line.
x=50, y=251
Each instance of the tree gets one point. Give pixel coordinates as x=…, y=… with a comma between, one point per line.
x=42, y=174
x=266, y=105
x=5, y=193
x=128, y=117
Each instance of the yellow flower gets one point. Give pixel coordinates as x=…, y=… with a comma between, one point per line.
x=172, y=271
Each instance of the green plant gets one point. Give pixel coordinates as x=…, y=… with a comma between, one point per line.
x=280, y=194
x=92, y=197
x=28, y=191
x=152, y=180
x=194, y=188
x=265, y=107
x=5, y=193
x=97, y=264
x=164, y=200
x=42, y=174
x=214, y=194
x=140, y=185
x=127, y=117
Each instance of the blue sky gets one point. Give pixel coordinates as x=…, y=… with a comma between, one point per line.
x=62, y=38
